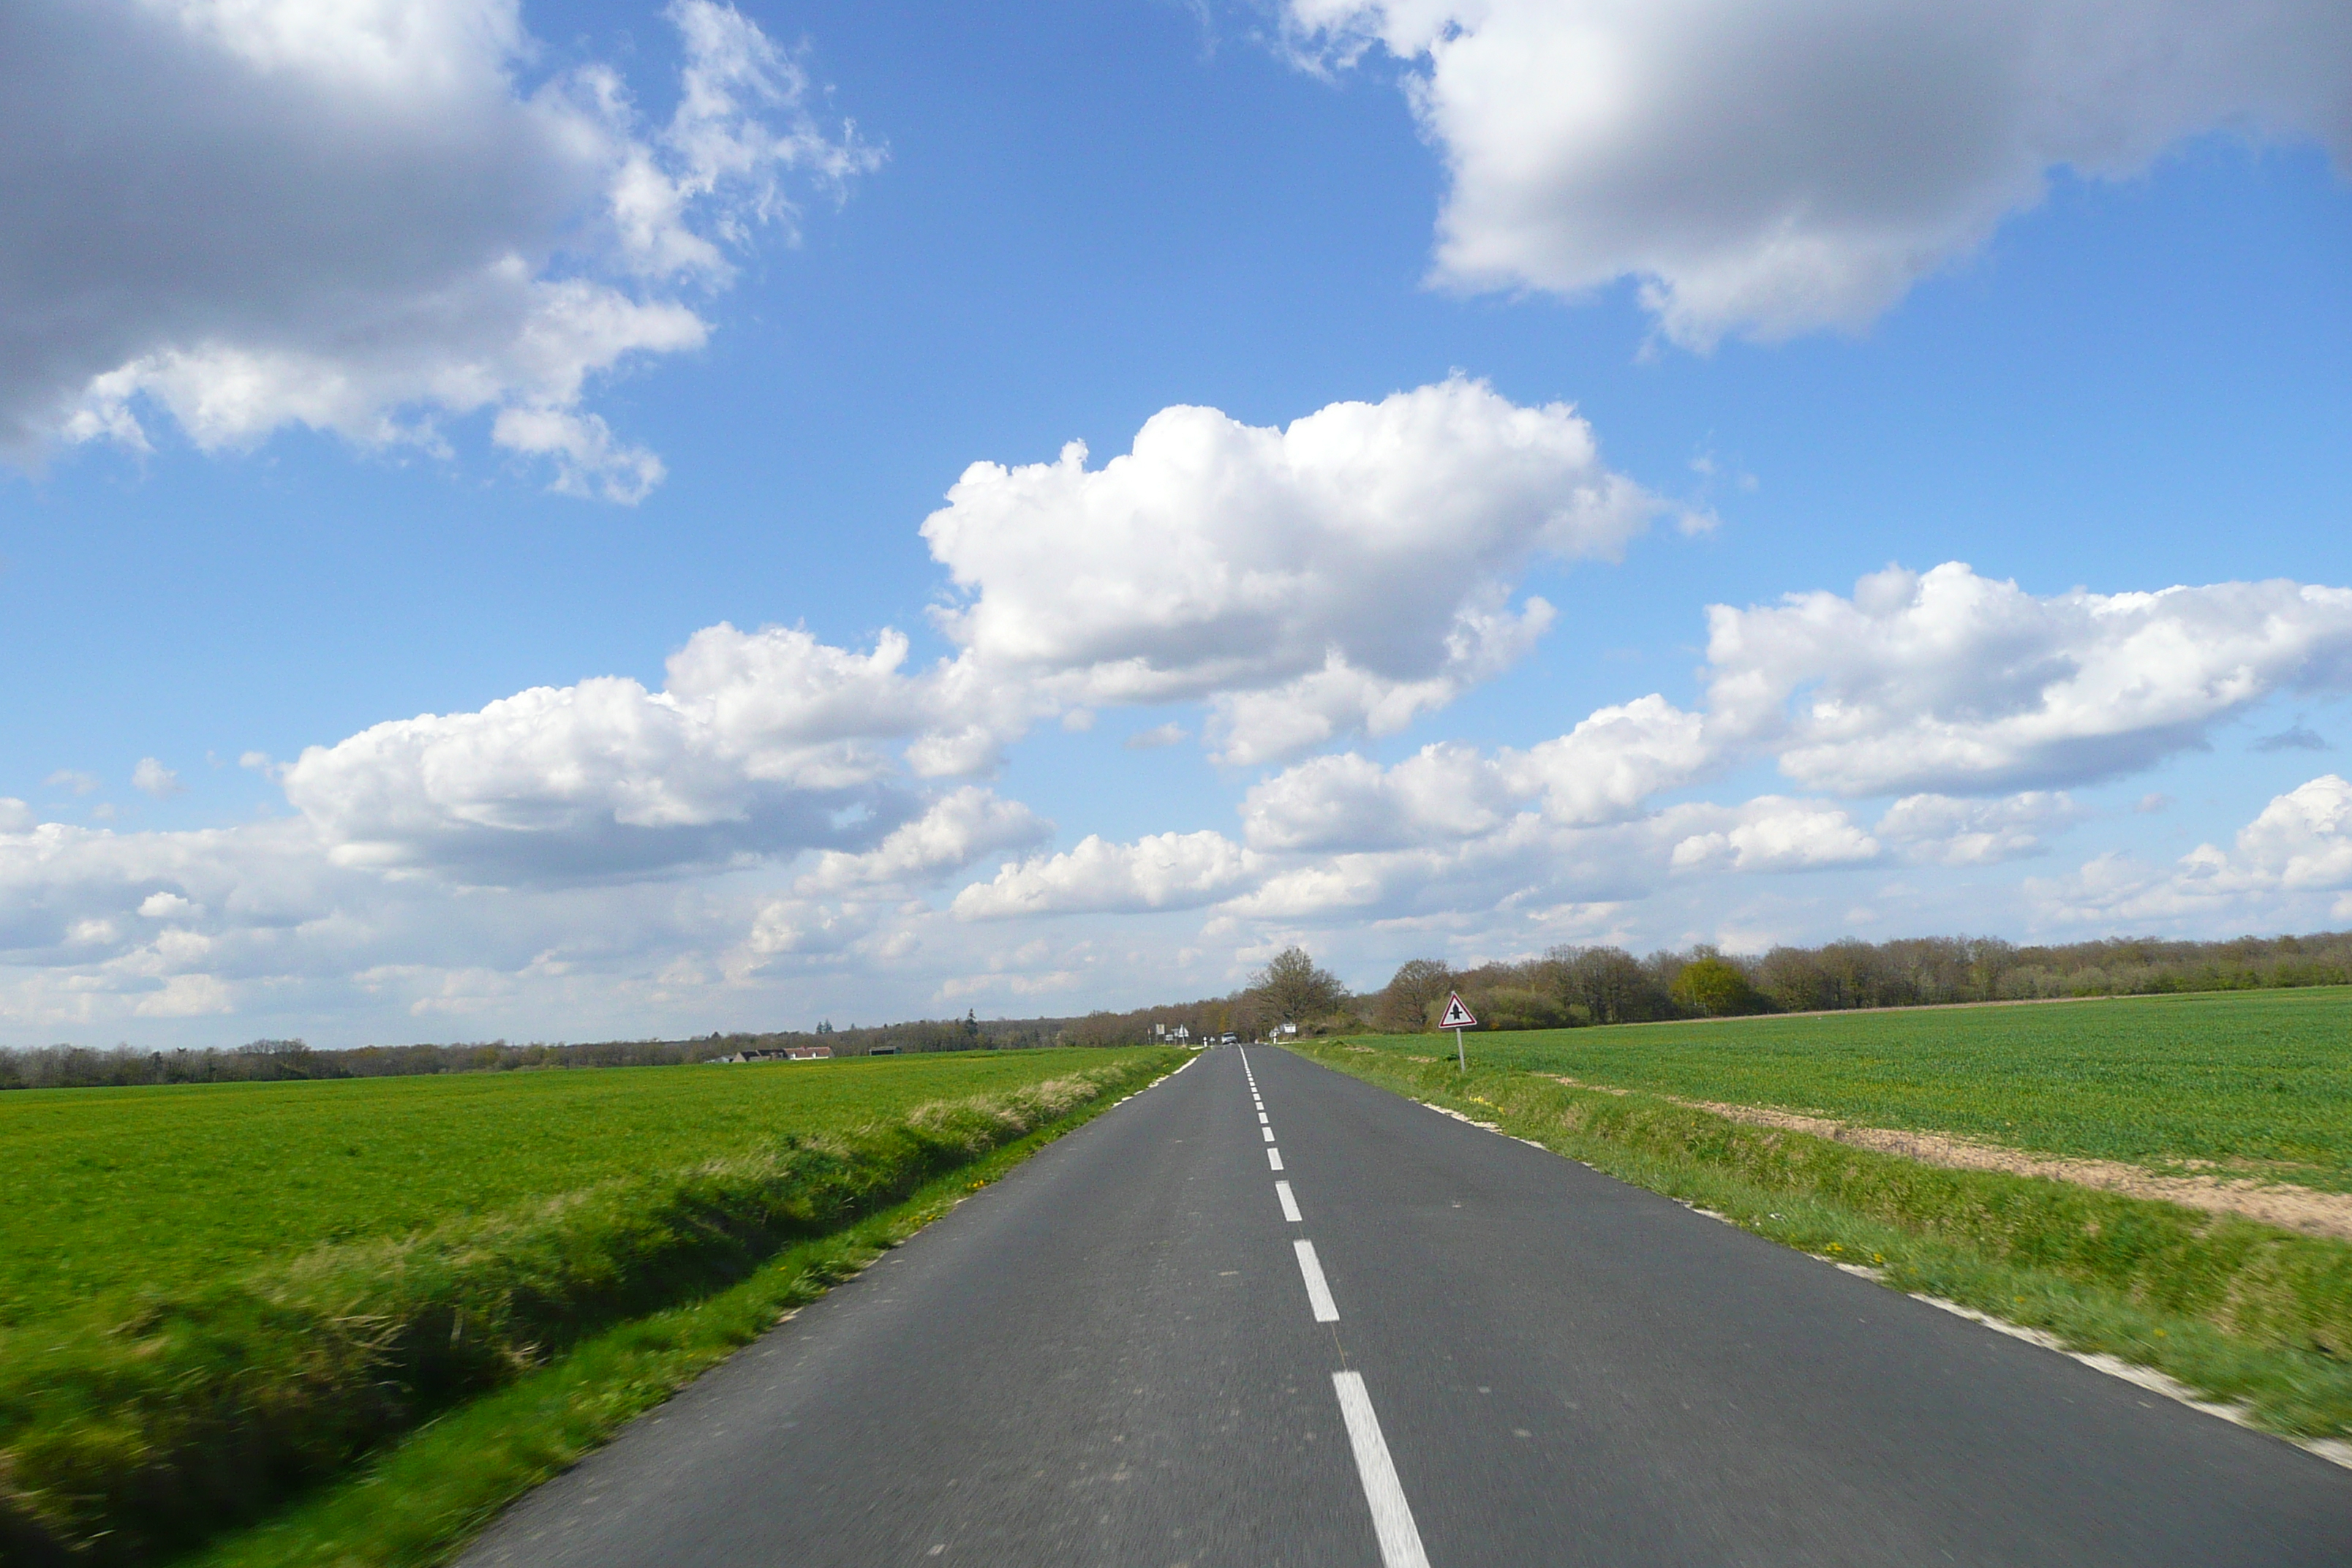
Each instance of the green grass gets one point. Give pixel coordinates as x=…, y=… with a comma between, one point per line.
x=159, y=1188
x=419, y=1502
x=2240, y=1311
x=149, y=1421
x=2257, y=1080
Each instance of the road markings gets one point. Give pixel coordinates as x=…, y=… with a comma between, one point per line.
x=1274, y=1158
x=1391, y=1515
x=1261, y=1119
x=1289, y=1204
x=1268, y=1131
x=1317, y=1293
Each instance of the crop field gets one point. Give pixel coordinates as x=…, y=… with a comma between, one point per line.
x=2256, y=1082
x=166, y=1187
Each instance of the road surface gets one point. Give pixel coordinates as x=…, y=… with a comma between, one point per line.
x=1266, y=1314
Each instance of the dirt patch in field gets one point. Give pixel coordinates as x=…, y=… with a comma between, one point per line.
x=2281, y=1203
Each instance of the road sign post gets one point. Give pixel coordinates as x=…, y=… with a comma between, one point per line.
x=1458, y=1019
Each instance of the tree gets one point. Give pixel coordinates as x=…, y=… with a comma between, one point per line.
x=1418, y=981
x=1711, y=985
x=1608, y=982
x=1295, y=990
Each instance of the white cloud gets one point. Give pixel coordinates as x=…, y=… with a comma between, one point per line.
x=2302, y=840
x=1445, y=794
x=588, y=461
x=954, y=832
x=187, y=996
x=1774, y=834
x=80, y=783
x=1948, y=682
x=760, y=744
x=1158, y=735
x=362, y=219
x=1341, y=576
x=1158, y=871
x=1614, y=760
x=2292, y=862
x=15, y=815
x=151, y=777
x=166, y=906
x=1941, y=830
x=1769, y=168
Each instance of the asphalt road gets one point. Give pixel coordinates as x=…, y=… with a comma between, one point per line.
x=1461, y=1351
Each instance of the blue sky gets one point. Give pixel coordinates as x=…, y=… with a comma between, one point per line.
x=587, y=328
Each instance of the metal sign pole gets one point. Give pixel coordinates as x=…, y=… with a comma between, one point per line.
x=1461, y=1058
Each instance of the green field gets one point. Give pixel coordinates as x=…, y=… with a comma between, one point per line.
x=2255, y=1081
x=168, y=1187
x=223, y=1295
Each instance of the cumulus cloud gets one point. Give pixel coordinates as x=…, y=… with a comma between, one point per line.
x=951, y=835
x=1948, y=682
x=2302, y=839
x=15, y=815
x=1343, y=575
x=365, y=219
x=758, y=743
x=1943, y=830
x=1446, y=793
x=1158, y=871
x=1769, y=169
x=1774, y=834
x=152, y=778
x=2294, y=860
x=1614, y=760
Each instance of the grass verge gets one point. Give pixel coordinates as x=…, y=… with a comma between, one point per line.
x=2244, y=1314
x=122, y=1442
x=423, y=1498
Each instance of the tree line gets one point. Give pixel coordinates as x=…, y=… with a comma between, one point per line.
x=1570, y=987
x=263, y=1061
x=1567, y=987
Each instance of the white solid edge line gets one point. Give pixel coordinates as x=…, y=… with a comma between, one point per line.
x=1274, y=1158
x=1319, y=1294
x=1289, y=1203
x=1391, y=1515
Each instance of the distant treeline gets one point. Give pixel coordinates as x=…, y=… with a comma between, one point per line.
x=81, y=1066
x=1565, y=988
x=1570, y=986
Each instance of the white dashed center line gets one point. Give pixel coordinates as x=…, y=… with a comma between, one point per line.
x=1289, y=1204
x=1268, y=1133
x=1261, y=1119
x=1391, y=1515
x=1319, y=1294
x=1274, y=1158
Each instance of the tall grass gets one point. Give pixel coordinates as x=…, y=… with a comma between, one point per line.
x=123, y=1439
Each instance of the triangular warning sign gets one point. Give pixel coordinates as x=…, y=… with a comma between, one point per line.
x=1457, y=1016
